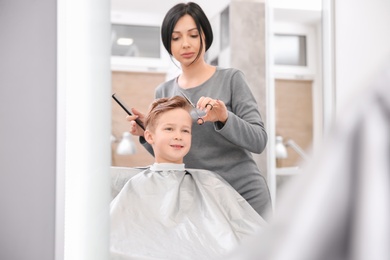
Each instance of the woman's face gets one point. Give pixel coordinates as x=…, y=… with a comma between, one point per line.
x=185, y=43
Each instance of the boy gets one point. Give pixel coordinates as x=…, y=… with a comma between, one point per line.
x=168, y=212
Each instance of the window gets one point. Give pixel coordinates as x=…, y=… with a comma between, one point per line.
x=290, y=50
x=135, y=41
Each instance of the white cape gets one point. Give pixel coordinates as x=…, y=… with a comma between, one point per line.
x=166, y=212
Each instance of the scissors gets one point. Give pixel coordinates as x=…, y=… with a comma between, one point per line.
x=199, y=120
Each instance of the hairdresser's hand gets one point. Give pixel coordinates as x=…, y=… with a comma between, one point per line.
x=215, y=109
x=134, y=128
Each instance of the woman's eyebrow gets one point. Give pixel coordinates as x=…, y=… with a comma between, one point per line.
x=187, y=30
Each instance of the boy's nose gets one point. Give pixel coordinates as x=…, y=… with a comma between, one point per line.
x=178, y=136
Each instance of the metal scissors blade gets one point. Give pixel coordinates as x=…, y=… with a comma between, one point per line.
x=188, y=100
x=200, y=120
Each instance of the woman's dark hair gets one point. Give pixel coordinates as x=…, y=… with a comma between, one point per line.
x=200, y=18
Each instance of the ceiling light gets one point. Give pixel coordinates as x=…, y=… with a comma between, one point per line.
x=125, y=41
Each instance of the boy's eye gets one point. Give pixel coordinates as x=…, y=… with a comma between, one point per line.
x=168, y=128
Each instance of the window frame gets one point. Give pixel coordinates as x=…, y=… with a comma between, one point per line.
x=143, y=64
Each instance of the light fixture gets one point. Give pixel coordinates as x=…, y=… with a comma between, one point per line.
x=126, y=146
x=113, y=138
x=280, y=148
x=125, y=41
x=296, y=148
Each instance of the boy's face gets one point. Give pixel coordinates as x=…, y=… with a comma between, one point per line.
x=171, y=138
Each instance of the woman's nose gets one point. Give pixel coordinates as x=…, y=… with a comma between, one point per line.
x=185, y=42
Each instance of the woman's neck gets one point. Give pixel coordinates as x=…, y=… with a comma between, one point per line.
x=195, y=74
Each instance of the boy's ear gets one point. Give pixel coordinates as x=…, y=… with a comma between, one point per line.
x=148, y=136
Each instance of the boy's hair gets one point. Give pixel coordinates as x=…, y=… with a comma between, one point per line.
x=162, y=105
x=200, y=18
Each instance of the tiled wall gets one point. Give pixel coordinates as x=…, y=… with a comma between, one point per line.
x=136, y=89
x=294, y=116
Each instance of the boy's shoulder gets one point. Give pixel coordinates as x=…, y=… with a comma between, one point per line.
x=205, y=174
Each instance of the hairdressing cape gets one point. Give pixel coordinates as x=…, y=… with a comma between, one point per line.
x=168, y=212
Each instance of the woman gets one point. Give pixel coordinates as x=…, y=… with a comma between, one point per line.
x=231, y=128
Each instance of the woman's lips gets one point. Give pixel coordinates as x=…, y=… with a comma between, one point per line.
x=187, y=55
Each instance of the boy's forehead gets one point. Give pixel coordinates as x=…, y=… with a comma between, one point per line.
x=175, y=115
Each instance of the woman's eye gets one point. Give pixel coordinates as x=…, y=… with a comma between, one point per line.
x=175, y=38
x=195, y=36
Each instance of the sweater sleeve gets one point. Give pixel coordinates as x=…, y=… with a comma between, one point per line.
x=244, y=127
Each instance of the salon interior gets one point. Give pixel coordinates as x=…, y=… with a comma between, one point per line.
x=304, y=61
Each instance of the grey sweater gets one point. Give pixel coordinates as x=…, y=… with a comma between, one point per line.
x=226, y=149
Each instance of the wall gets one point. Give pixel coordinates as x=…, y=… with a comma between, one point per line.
x=247, y=53
x=31, y=178
x=362, y=45
x=294, y=116
x=28, y=129
x=83, y=134
x=136, y=89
